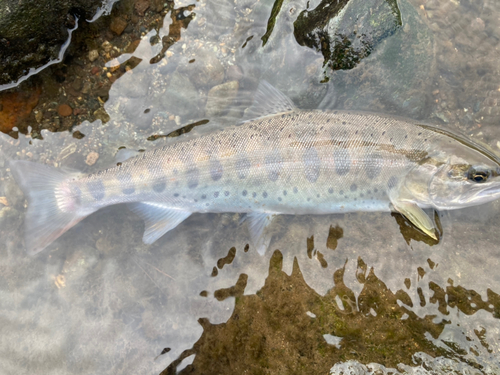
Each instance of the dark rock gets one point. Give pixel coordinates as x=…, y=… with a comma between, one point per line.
x=32, y=32
x=343, y=38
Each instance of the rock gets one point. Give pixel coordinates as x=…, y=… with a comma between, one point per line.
x=93, y=55
x=32, y=32
x=92, y=158
x=118, y=24
x=141, y=6
x=64, y=110
x=205, y=71
x=102, y=115
x=220, y=97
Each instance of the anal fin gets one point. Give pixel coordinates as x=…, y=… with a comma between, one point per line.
x=257, y=224
x=158, y=219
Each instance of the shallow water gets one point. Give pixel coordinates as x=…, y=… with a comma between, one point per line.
x=363, y=292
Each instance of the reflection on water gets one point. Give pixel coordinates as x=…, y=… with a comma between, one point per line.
x=360, y=292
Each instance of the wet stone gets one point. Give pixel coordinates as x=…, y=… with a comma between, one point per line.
x=118, y=25
x=205, y=71
x=64, y=110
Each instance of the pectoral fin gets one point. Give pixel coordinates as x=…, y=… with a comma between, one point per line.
x=417, y=216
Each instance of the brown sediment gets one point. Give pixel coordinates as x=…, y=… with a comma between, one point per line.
x=16, y=106
x=270, y=330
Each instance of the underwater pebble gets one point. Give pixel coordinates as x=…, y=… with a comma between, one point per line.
x=93, y=55
x=92, y=158
x=64, y=110
x=118, y=24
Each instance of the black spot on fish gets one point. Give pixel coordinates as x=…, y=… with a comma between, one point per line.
x=330, y=190
x=374, y=165
x=215, y=170
x=244, y=193
x=273, y=163
x=226, y=193
x=126, y=183
x=204, y=196
x=341, y=192
x=353, y=187
x=254, y=194
x=279, y=198
x=295, y=190
x=159, y=186
x=393, y=181
x=317, y=195
x=264, y=194
x=375, y=190
x=216, y=194
x=192, y=177
x=176, y=195
x=285, y=192
x=311, y=164
x=342, y=161
x=242, y=167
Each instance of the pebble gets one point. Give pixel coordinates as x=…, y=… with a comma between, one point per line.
x=93, y=55
x=141, y=6
x=64, y=110
x=92, y=158
x=118, y=25
x=106, y=46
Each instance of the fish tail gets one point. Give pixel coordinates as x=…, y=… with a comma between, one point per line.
x=52, y=207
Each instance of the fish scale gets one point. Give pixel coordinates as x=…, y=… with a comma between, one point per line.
x=290, y=162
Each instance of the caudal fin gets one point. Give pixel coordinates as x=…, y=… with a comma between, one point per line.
x=47, y=217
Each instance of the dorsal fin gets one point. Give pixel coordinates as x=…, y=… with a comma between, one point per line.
x=268, y=100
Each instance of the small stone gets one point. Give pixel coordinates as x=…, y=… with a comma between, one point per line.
x=95, y=70
x=118, y=24
x=141, y=6
x=102, y=115
x=206, y=71
x=106, y=46
x=93, y=55
x=64, y=110
x=92, y=158
x=38, y=116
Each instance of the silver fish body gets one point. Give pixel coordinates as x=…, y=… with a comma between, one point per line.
x=293, y=162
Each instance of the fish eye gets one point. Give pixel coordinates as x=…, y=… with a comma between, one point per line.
x=478, y=176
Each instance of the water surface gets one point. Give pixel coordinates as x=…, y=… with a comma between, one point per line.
x=359, y=292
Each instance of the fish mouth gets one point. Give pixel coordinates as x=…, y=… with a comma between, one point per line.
x=483, y=193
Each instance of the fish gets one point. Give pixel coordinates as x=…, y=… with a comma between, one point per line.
x=278, y=160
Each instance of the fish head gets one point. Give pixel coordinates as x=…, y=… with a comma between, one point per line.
x=463, y=182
